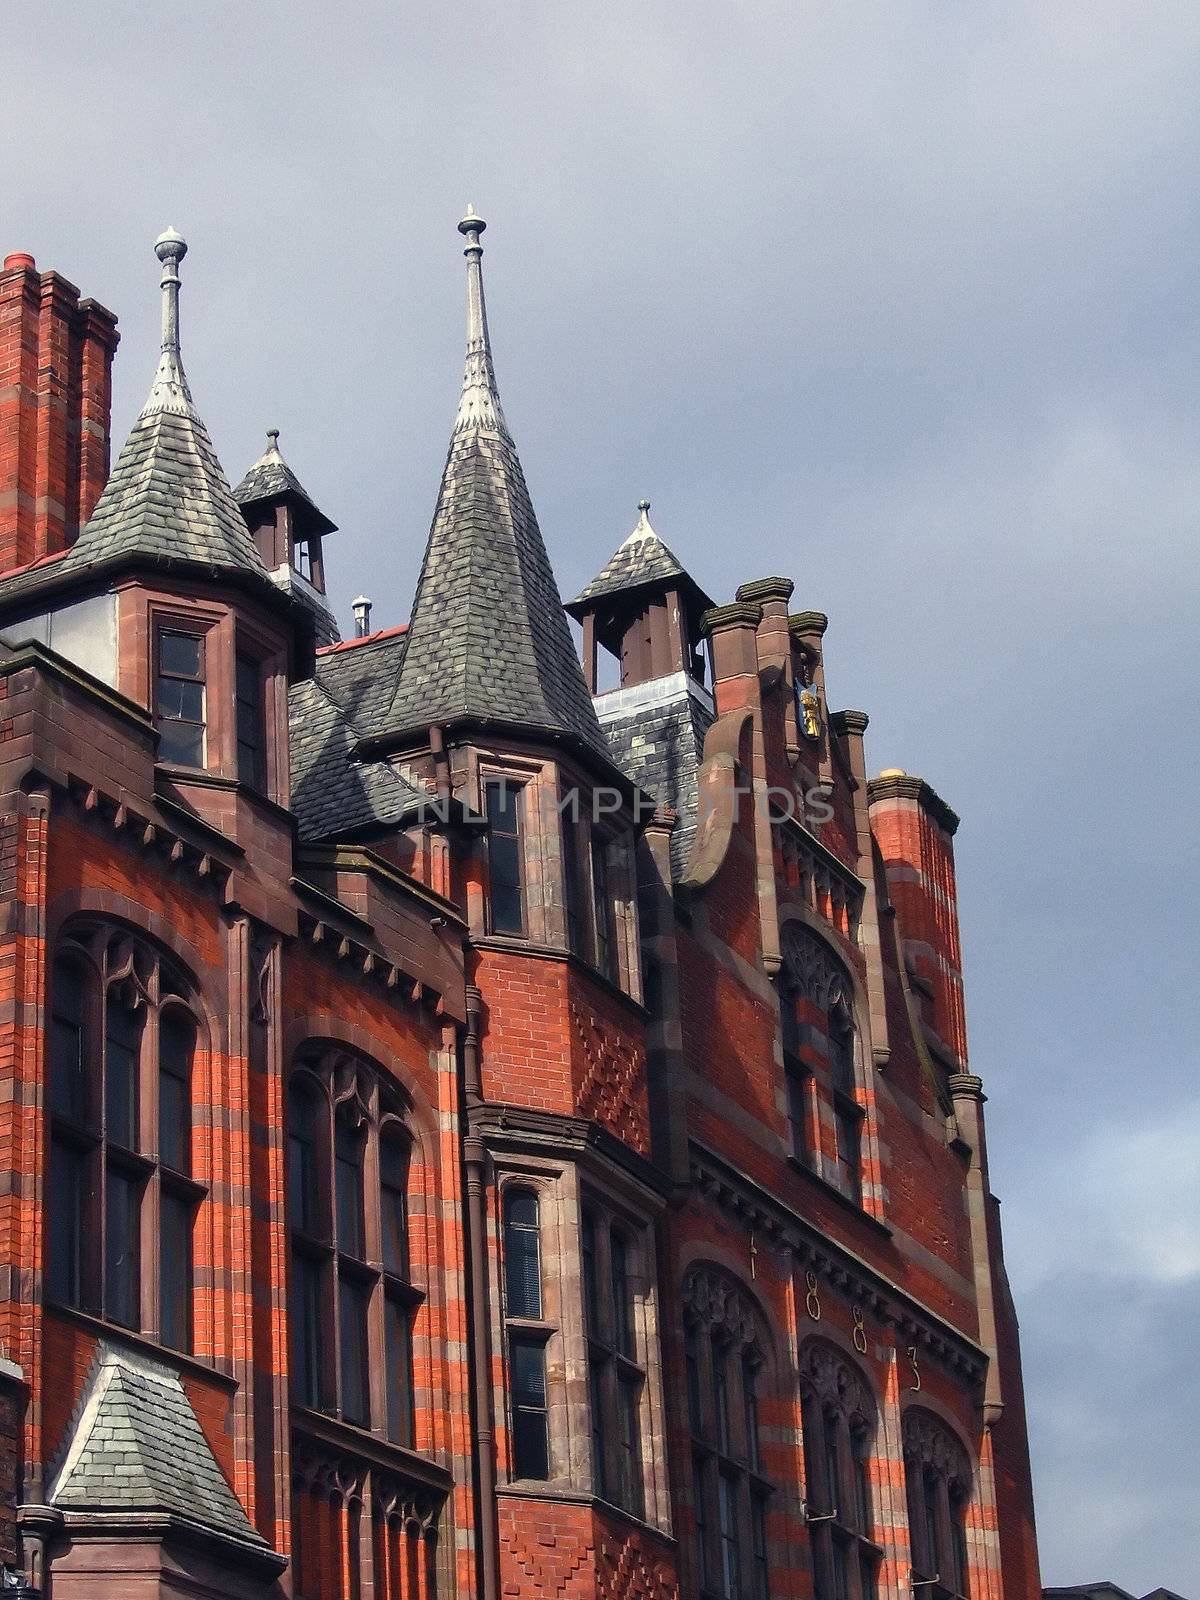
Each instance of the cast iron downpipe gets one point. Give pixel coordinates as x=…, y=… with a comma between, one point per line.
x=474, y=1162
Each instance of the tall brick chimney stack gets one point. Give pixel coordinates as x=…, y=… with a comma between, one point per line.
x=56, y=354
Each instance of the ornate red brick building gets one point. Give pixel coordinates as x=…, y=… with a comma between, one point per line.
x=464, y=1132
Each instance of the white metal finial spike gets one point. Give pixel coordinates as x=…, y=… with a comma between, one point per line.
x=170, y=389
x=479, y=404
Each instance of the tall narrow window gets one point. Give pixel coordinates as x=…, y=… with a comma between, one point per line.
x=180, y=698
x=121, y=1197
x=527, y=1335
x=616, y=1377
x=347, y=1183
x=506, y=869
x=731, y=1493
x=602, y=908
x=938, y=1482
x=251, y=722
x=848, y=1114
x=177, y=1198
x=838, y=1425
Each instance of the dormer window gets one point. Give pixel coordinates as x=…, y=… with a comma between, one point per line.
x=180, y=698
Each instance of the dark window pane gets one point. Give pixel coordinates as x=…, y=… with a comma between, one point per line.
x=958, y=1535
x=929, y=1508
x=629, y=1443
x=597, y=1407
x=122, y=1037
x=797, y=1089
x=720, y=1368
x=833, y=1476
x=302, y=1157
x=731, y=1544
x=176, y=1040
x=849, y=1149
x=352, y=1323
x=349, y=1185
x=591, y=1295
x=750, y=1401
x=602, y=904
x=789, y=1023
x=572, y=887
x=121, y=1247
x=175, y=1271
x=251, y=732
x=504, y=858
x=700, y=1512
x=522, y=1254
x=531, y=1445
x=861, y=1448
x=68, y=1042
x=64, y=1242
x=622, y=1308
x=840, y=1566
x=181, y=654
x=181, y=743
x=393, y=1164
x=762, y=1571
x=691, y=1361
x=399, y=1372
x=306, y=1329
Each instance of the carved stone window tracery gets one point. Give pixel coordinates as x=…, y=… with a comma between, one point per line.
x=938, y=1482
x=725, y=1360
x=839, y=1419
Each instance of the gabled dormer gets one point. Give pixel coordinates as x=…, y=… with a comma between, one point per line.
x=286, y=522
x=644, y=608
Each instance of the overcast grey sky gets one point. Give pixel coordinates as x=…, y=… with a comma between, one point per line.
x=897, y=298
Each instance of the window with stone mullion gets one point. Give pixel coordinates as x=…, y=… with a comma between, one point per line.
x=838, y=1431
x=121, y=1198
x=615, y=1378
x=730, y=1492
x=352, y=1299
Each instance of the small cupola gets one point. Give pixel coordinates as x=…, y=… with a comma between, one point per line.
x=644, y=608
x=286, y=523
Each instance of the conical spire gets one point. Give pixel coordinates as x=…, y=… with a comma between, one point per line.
x=168, y=497
x=489, y=641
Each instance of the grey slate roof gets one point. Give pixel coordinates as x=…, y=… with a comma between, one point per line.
x=656, y=734
x=138, y=1446
x=167, y=497
x=332, y=794
x=643, y=558
x=271, y=478
x=361, y=677
x=488, y=639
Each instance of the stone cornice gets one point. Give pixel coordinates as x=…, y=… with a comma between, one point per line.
x=766, y=589
x=850, y=722
x=802, y=624
x=904, y=786
x=855, y=1279
x=738, y=615
x=509, y=1127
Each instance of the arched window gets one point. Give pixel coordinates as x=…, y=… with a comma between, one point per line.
x=121, y=1198
x=937, y=1477
x=616, y=1375
x=527, y=1333
x=815, y=981
x=724, y=1357
x=351, y=1293
x=839, y=1434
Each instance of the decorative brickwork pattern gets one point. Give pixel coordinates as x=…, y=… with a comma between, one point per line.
x=612, y=1090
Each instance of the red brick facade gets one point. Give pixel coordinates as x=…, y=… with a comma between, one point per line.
x=737, y=1108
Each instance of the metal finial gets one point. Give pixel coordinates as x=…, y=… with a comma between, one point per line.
x=272, y=438
x=170, y=389
x=471, y=223
x=643, y=505
x=170, y=246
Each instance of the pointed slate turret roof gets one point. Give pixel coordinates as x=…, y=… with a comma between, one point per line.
x=271, y=478
x=488, y=640
x=168, y=495
x=641, y=558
